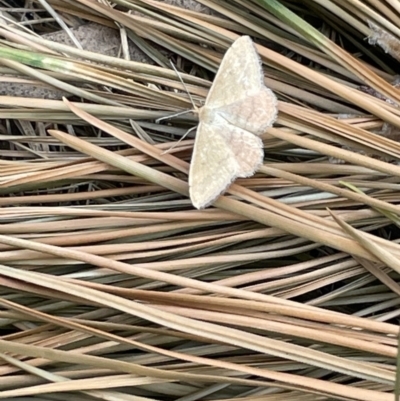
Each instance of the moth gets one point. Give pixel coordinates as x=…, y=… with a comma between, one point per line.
x=238, y=109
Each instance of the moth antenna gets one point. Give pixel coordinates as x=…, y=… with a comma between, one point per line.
x=187, y=91
x=184, y=85
x=176, y=144
x=173, y=115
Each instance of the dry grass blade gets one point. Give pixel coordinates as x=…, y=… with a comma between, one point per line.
x=385, y=257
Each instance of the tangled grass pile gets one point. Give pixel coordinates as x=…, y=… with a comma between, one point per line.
x=114, y=287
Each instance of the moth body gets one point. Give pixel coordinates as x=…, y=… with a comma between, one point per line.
x=238, y=108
